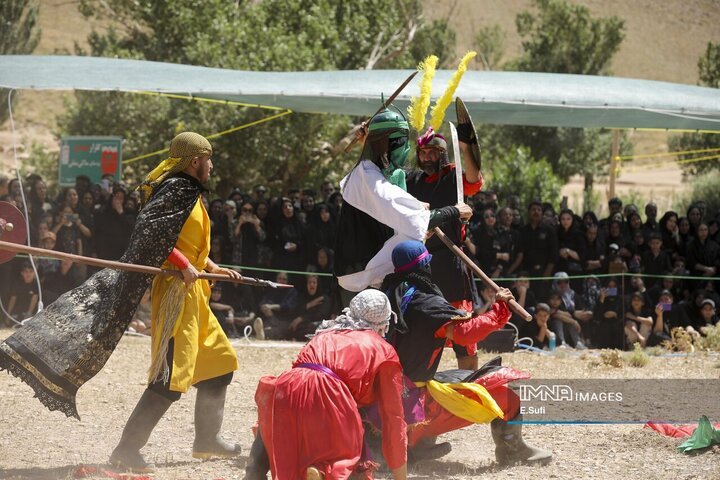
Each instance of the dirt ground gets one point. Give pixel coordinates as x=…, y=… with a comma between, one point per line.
x=38, y=444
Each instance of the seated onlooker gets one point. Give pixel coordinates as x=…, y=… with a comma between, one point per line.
x=703, y=254
x=639, y=323
x=523, y=295
x=311, y=308
x=608, y=329
x=567, y=330
x=708, y=314
x=574, y=304
x=275, y=307
x=537, y=329
x=24, y=297
x=323, y=264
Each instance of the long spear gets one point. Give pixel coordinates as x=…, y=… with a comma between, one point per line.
x=385, y=105
x=132, y=267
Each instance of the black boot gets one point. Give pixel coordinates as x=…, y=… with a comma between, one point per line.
x=428, y=449
x=510, y=448
x=258, y=464
x=209, y=412
x=147, y=413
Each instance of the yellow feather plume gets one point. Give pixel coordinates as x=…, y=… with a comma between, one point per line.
x=419, y=105
x=438, y=111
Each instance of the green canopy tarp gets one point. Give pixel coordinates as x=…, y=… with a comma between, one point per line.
x=511, y=98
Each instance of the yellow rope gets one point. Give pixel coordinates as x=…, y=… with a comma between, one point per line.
x=667, y=154
x=210, y=100
x=214, y=135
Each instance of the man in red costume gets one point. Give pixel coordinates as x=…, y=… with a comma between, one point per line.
x=308, y=420
x=425, y=322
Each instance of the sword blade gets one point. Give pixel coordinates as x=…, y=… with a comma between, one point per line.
x=458, y=163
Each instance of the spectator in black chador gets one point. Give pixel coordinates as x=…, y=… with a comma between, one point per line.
x=668, y=229
x=311, y=308
x=537, y=252
x=607, y=315
x=113, y=227
x=321, y=232
x=570, y=244
x=288, y=239
x=703, y=254
x=485, y=244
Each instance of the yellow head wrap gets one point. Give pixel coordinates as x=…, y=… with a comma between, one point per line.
x=183, y=148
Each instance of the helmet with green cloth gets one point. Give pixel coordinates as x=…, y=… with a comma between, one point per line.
x=387, y=144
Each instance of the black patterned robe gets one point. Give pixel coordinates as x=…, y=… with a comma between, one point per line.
x=68, y=342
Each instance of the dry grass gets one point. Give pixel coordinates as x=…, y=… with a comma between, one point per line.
x=37, y=444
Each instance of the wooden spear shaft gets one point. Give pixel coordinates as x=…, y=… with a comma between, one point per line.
x=131, y=267
x=514, y=305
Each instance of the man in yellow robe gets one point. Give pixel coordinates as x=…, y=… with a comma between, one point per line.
x=189, y=348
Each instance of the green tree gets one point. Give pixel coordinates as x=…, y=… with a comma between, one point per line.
x=514, y=172
x=19, y=35
x=296, y=150
x=565, y=38
x=709, y=70
x=490, y=44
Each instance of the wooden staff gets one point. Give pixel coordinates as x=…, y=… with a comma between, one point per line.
x=514, y=305
x=385, y=105
x=132, y=267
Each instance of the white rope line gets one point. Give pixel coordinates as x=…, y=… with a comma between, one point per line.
x=27, y=215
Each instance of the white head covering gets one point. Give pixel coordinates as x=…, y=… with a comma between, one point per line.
x=369, y=310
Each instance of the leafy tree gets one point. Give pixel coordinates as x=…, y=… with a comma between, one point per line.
x=19, y=35
x=709, y=69
x=489, y=41
x=514, y=172
x=296, y=150
x=565, y=38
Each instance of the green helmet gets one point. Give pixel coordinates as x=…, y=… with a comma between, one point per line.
x=387, y=141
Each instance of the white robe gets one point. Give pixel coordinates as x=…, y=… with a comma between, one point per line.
x=367, y=189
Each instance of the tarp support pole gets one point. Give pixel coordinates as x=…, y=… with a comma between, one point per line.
x=613, y=162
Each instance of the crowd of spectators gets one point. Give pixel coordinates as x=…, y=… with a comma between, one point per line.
x=602, y=283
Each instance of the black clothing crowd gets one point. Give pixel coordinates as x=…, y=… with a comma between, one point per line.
x=606, y=283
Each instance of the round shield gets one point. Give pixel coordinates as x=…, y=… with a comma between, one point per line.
x=463, y=117
x=13, y=228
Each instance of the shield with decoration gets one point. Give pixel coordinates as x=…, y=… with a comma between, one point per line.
x=13, y=228
x=466, y=130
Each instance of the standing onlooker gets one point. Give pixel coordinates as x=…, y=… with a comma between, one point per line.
x=249, y=234
x=651, y=224
x=113, y=227
x=288, y=239
x=538, y=248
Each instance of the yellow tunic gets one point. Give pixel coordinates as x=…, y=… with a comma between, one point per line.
x=201, y=348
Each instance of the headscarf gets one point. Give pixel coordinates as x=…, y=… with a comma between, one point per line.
x=368, y=310
x=183, y=148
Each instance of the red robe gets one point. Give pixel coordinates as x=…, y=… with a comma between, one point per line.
x=310, y=418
